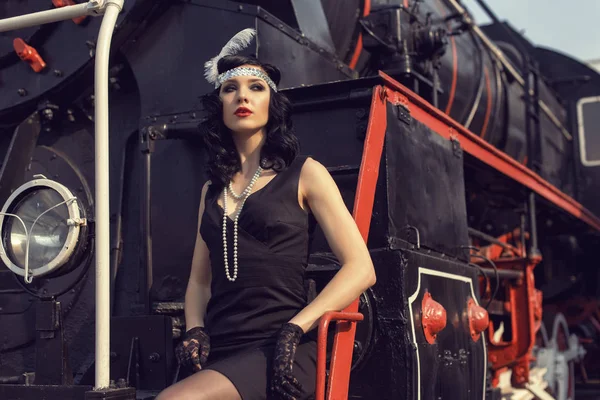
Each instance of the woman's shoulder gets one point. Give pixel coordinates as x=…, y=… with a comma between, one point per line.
x=202, y=205
x=314, y=177
x=205, y=188
x=312, y=168
x=303, y=162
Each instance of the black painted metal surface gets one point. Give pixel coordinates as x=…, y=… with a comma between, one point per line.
x=18, y=155
x=553, y=151
x=454, y=364
x=573, y=81
x=425, y=184
x=170, y=46
x=387, y=371
x=22, y=392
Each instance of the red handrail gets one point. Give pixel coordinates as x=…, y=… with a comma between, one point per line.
x=322, y=347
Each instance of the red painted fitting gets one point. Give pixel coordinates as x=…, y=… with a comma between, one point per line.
x=433, y=317
x=537, y=305
x=479, y=319
x=29, y=55
x=64, y=3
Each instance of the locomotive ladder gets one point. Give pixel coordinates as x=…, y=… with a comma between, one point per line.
x=534, y=143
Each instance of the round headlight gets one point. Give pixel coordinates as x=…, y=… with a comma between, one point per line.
x=49, y=214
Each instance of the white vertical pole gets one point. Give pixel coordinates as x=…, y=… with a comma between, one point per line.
x=112, y=10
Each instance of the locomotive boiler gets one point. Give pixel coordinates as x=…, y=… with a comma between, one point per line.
x=467, y=154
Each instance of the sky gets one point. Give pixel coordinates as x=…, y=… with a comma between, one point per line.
x=568, y=26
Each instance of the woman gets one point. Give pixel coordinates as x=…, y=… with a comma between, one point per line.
x=246, y=308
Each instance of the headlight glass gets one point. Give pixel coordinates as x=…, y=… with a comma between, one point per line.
x=55, y=223
x=48, y=235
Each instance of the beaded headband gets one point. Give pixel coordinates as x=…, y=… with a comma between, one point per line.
x=245, y=71
x=236, y=44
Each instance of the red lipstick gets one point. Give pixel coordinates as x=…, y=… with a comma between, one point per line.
x=243, y=112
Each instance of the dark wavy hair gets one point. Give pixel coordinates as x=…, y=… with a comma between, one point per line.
x=281, y=145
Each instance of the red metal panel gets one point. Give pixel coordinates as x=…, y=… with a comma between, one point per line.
x=369, y=166
x=446, y=127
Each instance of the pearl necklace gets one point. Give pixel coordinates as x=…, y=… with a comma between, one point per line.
x=243, y=197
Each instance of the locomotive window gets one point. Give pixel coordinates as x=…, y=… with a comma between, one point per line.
x=588, y=116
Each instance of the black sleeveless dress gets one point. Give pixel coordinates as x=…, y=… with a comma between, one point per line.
x=243, y=316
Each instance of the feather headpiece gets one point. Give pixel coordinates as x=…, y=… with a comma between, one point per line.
x=236, y=44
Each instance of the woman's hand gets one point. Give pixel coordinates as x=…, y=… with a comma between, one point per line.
x=283, y=383
x=194, y=348
x=195, y=345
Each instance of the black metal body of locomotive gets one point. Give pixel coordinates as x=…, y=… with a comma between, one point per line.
x=156, y=168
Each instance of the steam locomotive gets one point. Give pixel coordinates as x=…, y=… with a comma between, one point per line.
x=468, y=155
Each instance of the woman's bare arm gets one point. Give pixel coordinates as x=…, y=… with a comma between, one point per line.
x=198, y=293
x=357, y=273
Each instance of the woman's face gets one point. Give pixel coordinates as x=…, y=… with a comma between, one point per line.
x=245, y=103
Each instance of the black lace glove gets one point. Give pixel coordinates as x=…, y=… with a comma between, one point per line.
x=193, y=350
x=283, y=383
